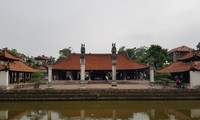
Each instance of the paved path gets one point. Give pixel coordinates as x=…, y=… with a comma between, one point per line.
x=61, y=85
x=104, y=86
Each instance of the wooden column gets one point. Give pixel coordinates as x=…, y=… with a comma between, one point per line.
x=124, y=75
x=24, y=77
x=10, y=77
x=17, y=78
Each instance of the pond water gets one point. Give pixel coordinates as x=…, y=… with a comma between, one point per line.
x=101, y=110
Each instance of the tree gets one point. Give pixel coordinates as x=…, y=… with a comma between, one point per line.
x=133, y=53
x=37, y=78
x=64, y=53
x=121, y=50
x=12, y=52
x=158, y=54
x=31, y=62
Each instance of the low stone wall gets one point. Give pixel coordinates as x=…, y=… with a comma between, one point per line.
x=87, y=94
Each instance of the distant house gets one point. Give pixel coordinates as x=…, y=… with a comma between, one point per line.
x=179, y=52
x=99, y=67
x=41, y=59
x=13, y=70
x=187, y=66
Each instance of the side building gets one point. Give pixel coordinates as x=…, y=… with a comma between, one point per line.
x=187, y=66
x=13, y=70
x=179, y=52
x=99, y=67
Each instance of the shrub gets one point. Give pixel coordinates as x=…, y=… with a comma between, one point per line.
x=37, y=79
x=162, y=76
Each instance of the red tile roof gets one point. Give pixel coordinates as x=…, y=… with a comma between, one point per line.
x=98, y=62
x=196, y=66
x=190, y=55
x=181, y=49
x=19, y=66
x=8, y=55
x=15, y=65
x=180, y=67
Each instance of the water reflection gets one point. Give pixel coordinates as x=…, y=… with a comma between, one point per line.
x=113, y=110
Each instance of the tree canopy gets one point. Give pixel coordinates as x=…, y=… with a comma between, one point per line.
x=144, y=54
x=13, y=52
x=133, y=53
x=64, y=53
x=158, y=54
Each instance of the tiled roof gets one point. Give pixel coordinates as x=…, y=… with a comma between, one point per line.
x=8, y=55
x=98, y=62
x=20, y=66
x=190, y=55
x=17, y=66
x=181, y=49
x=180, y=67
x=196, y=66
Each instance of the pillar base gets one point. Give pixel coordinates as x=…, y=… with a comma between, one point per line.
x=82, y=84
x=49, y=85
x=3, y=87
x=114, y=84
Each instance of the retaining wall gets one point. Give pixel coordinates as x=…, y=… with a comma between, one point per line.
x=93, y=94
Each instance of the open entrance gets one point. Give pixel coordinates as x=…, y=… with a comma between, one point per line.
x=98, y=75
x=186, y=76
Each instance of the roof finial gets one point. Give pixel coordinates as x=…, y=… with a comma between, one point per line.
x=82, y=51
x=198, y=46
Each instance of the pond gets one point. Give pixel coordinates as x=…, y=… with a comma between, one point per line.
x=101, y=110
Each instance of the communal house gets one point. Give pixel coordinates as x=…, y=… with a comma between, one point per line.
x=99, y=67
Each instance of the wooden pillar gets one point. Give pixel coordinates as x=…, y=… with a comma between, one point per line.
x=10, y=74
x=30, y=75
x=124, y=75
x=89, y=75
x=24, y=77
x=13, y=75
x=17, y=77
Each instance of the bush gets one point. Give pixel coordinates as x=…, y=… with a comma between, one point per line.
x=162, y=76
x=37, y=79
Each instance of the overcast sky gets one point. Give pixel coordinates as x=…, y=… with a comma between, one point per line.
x=37, y=27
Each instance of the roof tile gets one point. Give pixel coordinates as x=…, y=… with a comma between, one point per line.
x=99, y=62
x=181, y=49
x=180, y=67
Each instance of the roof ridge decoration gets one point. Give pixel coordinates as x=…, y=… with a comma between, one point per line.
x=198, y=46
x=82, y=51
